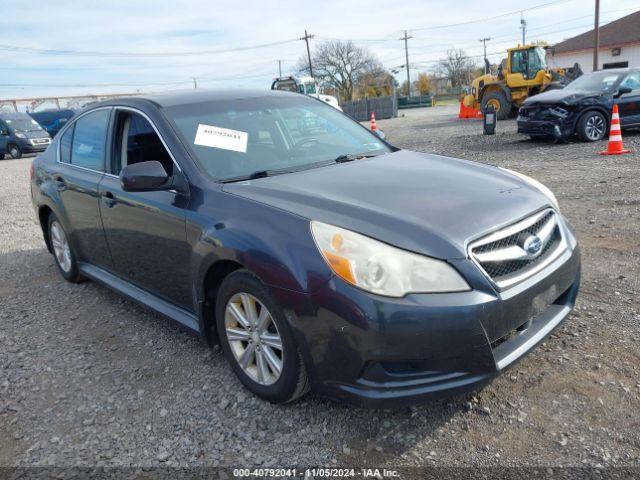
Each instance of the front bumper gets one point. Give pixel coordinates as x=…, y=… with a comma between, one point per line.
x=31, y=146
x=547, y=124
x=382, y=352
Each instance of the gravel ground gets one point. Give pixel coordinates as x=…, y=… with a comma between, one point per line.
x=90, y=379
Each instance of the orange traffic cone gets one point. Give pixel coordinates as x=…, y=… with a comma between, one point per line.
x=374, y=127
x=615, y=135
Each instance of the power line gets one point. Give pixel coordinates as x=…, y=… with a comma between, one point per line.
x=89, y=53
x=539, y=30
x=485, y=19
x=449, y=25
x=208, y=52
x=59, y=52
x=394, y=59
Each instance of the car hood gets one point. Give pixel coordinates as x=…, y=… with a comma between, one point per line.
x=568, y=97
x=424, y=203
x=35, y=134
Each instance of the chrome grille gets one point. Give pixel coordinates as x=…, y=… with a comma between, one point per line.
x=520, y=250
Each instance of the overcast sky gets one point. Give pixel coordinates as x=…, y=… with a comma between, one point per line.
x=146, y=26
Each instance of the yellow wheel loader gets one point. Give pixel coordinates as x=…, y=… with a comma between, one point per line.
x=523, y=73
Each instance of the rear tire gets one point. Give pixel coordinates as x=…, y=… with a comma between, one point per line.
x=14, y=151
x=241, y=303
x=500, y=102
x=592, y=126
x=62, y=253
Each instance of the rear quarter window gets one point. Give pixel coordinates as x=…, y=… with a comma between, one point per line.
x=65, y=145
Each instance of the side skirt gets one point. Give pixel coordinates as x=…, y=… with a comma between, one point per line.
x=177, y=314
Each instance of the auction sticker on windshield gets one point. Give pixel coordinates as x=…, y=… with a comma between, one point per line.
x=218, y=137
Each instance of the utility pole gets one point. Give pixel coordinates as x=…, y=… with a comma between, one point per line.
x=523, y=27
x=596, y=31
x=484, y=42
x=306, y=38
x=279, y=68
x=406, y=54
x=195, y=83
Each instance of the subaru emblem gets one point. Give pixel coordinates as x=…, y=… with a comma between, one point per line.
x=532, y=245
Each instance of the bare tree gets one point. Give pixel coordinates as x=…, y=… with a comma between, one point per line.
x=341, y=66
x=457, y=67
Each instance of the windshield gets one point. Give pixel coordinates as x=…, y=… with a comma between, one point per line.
x=236, y=138
x=23, y=124
x=596, y=82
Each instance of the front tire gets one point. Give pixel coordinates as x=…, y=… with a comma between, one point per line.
x=62, y=253
x=592, y=126
x=499, y=101
x=15, y=152
x=256, y=340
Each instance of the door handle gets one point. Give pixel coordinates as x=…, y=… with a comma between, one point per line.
x=109, y=199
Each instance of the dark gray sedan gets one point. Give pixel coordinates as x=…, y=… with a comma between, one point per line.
x=317, y=254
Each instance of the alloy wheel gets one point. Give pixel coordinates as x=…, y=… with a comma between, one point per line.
x=254, y=338
x=14, y=152
x=594, y=127
x=60, y=246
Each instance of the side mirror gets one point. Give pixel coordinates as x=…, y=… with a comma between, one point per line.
x=623, y=91
x=380, y=134
x=144, y=177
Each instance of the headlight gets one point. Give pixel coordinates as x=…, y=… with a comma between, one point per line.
x=20, y=135
x=536, y=184
x=380, y=268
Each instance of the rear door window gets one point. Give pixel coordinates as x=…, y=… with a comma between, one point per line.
x=89, y=140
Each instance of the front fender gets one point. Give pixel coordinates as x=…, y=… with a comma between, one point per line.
x=592, y=106
x=495, y=87
x=275, y=245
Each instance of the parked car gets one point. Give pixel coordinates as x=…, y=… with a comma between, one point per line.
x=19, y=133
x=324, y=259
x=52, y=120
x=584, y=106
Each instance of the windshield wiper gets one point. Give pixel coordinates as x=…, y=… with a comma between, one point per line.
x=256, y=174
x=349, y=157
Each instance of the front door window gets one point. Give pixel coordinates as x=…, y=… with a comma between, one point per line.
x=137, y=142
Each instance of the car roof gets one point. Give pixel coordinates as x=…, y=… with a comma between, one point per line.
x=186, y=97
